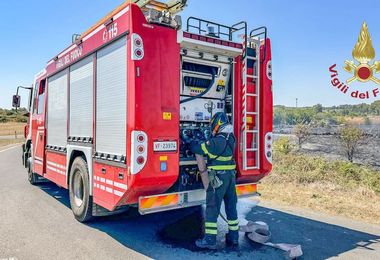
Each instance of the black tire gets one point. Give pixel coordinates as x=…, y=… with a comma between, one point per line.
x=32, y=177
x=79, y=190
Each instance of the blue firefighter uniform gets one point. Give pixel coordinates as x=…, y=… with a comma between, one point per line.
x=220, y=159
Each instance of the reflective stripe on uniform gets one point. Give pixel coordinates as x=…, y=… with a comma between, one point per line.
x=233, y=225
x=233, y=228
x=213, y=156
x=233, y=222
x=211, y=224
x=224, y=159
x=222, y=167
x=211, y=231
x=204, y=149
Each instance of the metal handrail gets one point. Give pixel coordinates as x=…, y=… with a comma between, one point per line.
x=196, y=23
x=260, y=31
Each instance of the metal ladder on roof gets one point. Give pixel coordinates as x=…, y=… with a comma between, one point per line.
x=251, y=137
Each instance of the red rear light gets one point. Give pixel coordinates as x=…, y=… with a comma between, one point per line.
x=140, y=149
x=140, y=138
x=138, y=53
x=138, y=42
x=140, y=160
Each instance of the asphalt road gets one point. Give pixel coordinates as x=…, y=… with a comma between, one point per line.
x=36, y=223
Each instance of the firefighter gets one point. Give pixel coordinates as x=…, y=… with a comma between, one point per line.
x=221, y=165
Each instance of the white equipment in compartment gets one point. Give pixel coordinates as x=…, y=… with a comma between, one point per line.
x=194, y=70
x=200, y=109
x=205, y=93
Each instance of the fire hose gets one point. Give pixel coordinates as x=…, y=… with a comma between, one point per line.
x=259, y=232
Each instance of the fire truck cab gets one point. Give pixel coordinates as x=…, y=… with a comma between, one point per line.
x=112, y=116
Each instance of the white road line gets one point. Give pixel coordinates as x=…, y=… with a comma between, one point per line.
x=10, y=148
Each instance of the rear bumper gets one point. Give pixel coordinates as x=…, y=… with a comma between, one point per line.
x=178, y=200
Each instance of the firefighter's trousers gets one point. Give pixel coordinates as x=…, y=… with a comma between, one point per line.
x=214, y=198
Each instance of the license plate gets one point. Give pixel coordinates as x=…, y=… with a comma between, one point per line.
x=164, y=146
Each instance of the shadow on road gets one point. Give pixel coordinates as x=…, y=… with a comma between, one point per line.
x=143, y=234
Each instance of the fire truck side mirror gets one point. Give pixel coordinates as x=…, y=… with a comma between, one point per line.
x=16, y=101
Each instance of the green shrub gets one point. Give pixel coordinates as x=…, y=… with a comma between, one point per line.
x=283, y=145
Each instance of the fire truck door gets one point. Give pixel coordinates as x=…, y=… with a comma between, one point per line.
x=38, y=125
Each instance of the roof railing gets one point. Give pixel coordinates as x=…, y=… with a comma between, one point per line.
x=213, y=29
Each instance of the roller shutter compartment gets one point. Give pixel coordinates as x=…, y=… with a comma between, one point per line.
x=111, y=98
x=57, y=110
x=81, y=98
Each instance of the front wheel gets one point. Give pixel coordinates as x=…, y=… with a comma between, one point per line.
x=79, y=189
x=32, y=177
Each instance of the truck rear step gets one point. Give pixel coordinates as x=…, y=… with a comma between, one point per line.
x=177, y=200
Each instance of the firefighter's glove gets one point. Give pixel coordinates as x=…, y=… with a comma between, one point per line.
x=215, y=182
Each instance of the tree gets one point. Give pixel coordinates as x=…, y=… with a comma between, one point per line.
x=302, y=132
x=351, y=138
x=318, y=108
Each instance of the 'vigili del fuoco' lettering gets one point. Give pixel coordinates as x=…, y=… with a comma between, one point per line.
x=335, y=80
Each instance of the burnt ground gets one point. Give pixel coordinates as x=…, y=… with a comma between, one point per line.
x=324, y=142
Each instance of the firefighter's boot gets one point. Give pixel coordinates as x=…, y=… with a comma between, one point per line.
x=208, y=242
x=232, y=239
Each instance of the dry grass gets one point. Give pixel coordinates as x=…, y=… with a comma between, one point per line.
x=336, y=188
x=328, y=199
x=375, y=120
x=10, y=128
x=6, y=142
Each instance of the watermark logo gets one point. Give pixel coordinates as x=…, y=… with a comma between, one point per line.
x=363, y=70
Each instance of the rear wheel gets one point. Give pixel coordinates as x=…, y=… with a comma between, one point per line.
x=79, y=189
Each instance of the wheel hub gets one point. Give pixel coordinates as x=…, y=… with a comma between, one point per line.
x=78, y=189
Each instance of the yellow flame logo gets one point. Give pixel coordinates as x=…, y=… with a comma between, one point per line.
x=364, y=51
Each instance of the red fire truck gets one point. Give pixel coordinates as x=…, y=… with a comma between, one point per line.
x=112, y=116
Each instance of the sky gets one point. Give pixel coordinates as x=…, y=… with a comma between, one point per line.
x=307, y=38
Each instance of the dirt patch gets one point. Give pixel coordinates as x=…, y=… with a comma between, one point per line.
x=184, y=232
